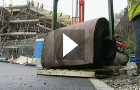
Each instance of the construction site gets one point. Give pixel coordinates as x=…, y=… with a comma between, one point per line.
x=23, y=23
x=32, y=56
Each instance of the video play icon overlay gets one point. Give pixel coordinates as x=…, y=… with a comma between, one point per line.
x=69, y=45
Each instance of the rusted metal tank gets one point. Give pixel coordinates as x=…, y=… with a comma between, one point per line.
x=99, y=49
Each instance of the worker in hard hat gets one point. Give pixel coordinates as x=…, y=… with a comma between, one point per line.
x=42, y=5
x=28, y=3
x=33, y=3
x=134, y=16
x=38, y=5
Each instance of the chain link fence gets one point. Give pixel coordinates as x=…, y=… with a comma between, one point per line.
x=20, y=47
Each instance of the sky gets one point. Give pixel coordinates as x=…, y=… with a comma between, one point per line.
x=93, y=8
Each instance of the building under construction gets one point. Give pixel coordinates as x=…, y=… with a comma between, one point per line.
x=21, y=25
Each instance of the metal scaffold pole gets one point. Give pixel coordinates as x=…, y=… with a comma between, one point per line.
x=54, y=20
x=111, y=18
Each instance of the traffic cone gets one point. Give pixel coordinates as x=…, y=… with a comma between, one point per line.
x=26, y=63
x=12, y=61
x=27, y=60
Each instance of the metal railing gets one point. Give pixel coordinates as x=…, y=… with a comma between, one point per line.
x=20, y=47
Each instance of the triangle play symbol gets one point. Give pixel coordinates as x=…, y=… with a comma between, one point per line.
x=68, y=45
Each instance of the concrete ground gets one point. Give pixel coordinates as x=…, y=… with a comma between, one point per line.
x=19, y=77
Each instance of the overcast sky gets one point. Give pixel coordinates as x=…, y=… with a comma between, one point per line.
x=93, y=8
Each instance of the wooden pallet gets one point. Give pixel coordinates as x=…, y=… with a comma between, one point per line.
x=107, y=71
x=65, y=72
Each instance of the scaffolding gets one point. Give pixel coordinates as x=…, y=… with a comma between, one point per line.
x=20, y=25
x=21, y=47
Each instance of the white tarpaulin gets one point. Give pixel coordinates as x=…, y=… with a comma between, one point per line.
x=23, y=59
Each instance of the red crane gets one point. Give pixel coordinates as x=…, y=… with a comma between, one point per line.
x=80, y=10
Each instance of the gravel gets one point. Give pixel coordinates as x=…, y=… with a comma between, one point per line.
x=123, y=82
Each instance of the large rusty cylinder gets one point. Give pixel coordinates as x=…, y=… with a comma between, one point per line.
x=96, y=48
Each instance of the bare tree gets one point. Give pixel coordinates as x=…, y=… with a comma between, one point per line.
x=123, y=25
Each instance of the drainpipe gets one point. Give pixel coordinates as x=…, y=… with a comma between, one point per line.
x=111, y=18
x=54, y=20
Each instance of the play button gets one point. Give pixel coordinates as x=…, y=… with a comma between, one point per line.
x=68, y=45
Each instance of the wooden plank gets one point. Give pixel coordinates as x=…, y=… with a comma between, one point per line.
x=18, y=7
x=46, y=17
x=46, y=12
x=65, y=72
x=49, y=17
x=68, y=20
x=44, y=27
x=59, y=18
x=19, y=33
x=65, y=16
x=65, y=21
x=24, y=21
x=14, y=10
